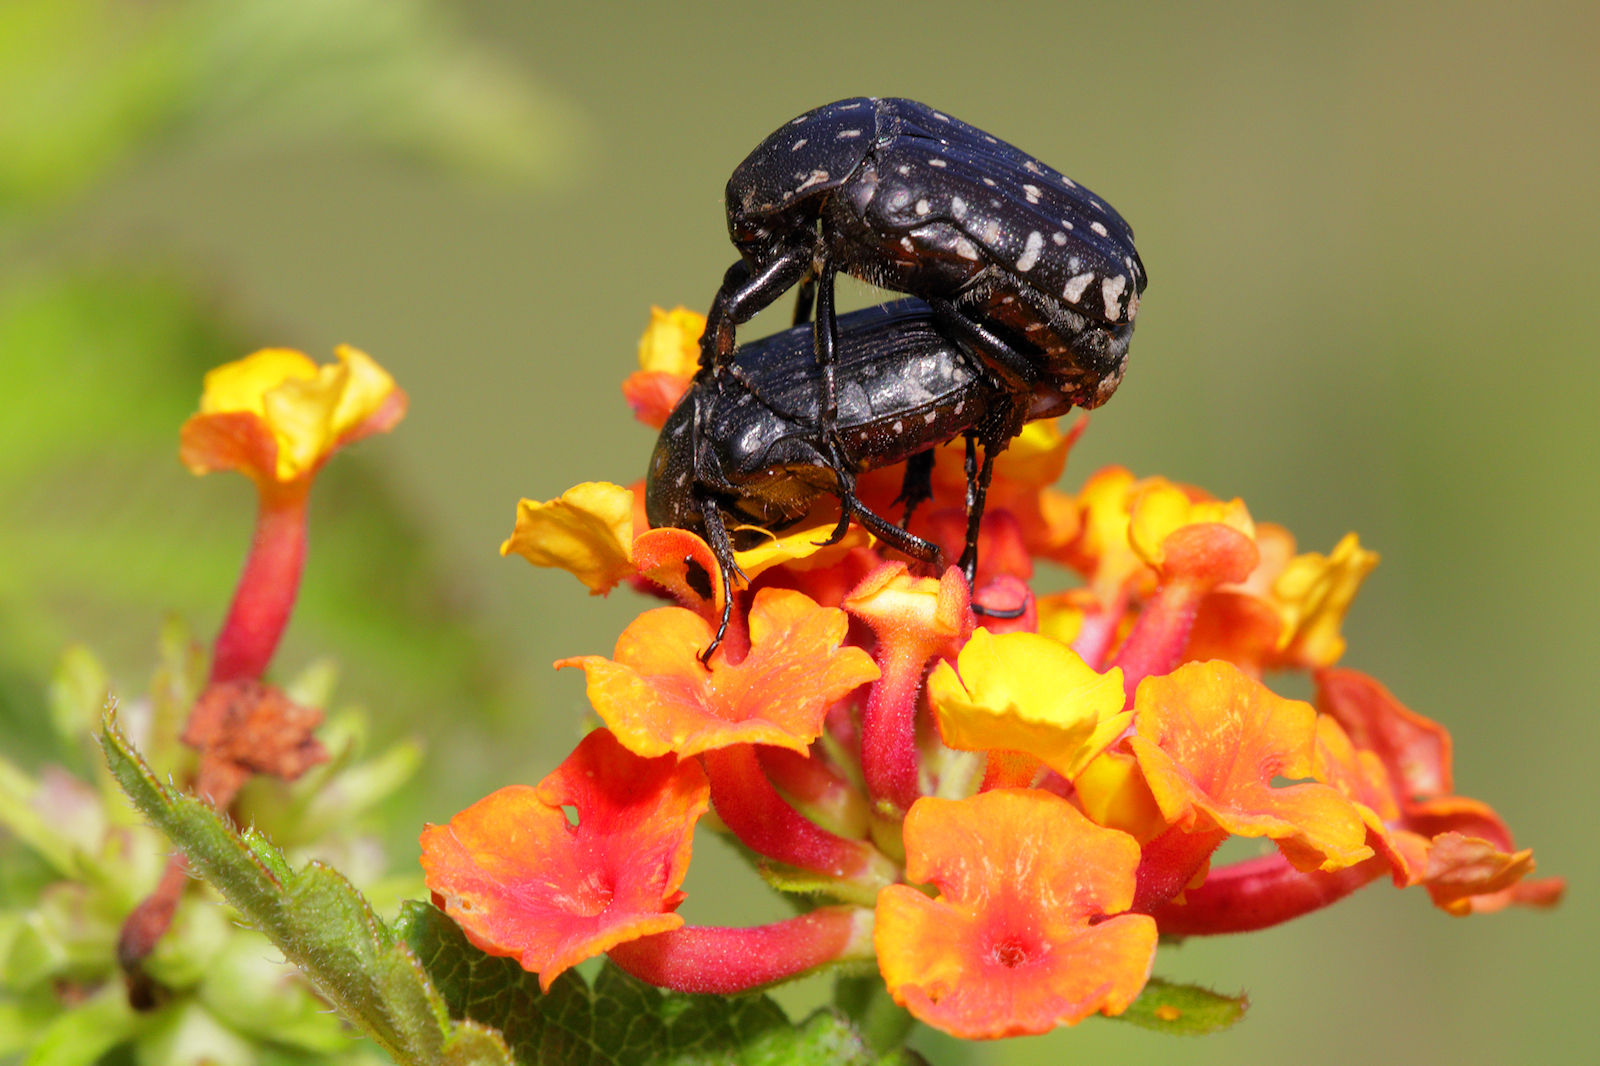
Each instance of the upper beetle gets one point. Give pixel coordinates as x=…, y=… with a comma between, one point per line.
x=912, y=199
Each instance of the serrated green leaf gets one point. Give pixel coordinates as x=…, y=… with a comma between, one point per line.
x=1184, y=1009
x=621, y=1021
x=317, y=919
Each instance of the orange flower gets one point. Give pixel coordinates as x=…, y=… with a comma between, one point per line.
x=277, y=416
x=1018, y=940
x=1211, y=741
x=524, y=882
x=658, y=697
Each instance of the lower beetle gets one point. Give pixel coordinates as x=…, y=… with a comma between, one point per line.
x=909, y=198
x=742, y=447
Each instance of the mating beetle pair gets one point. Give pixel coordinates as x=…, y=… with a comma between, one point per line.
x=1031, y=285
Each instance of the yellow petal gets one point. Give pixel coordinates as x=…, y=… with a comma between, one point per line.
x=1161, y=508
x=671, y=343
x=1313, y=593
x=588, y=532
x=1025, y=692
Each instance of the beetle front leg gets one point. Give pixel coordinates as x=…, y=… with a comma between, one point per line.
x=744, y=293
x=722, y=549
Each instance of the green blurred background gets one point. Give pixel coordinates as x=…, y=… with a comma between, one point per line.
x=1371, y=234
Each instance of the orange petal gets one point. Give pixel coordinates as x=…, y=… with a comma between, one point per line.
x=1211, y=741
x=1017, y=941
x=522, y=881
x=657, y=696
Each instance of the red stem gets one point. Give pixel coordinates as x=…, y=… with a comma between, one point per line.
x=889, y=759
x=1260, y=893
x=266, y=592
x=717, y=960
x=755, y=813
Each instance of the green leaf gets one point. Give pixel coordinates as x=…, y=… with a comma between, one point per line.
x=1184, y=1009
x=317, y=919
x=621, y=1021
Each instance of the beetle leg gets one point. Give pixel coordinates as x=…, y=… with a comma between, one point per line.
x=885, y=530
x=727, y=566
x=1016, y=372
x=848, y=504
x=977, y=494
x=826, y=331
x=917, y=485
x=805, y=295
x=745, y=292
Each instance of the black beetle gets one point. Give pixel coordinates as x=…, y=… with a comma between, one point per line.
x=911, y=199
x=742, y=447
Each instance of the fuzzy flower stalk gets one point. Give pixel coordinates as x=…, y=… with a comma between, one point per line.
x=1002, y=811
x=275, y=416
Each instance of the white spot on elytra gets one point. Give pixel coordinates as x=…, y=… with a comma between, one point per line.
x=1075, y=287
x=903, y=170
x=989, y=182
x=922, y=207
x=845, y=135
x=965, y=249
x=1058, y=238
x=898, y=426
x=958, y=208
x=1068, y=182
x=1098, y=228
x=959, y=406
x=1032, y=193
x=1074, y=263
x=929, y=418
x=1030, y=252
x=940, y=163
x=1112, y=289
x=817, y=177
x=801, y=143
x=991, y=138
x=1032, y=167
x=941, y=116
x=905, y=242
x=899, y=198
x=989, y=232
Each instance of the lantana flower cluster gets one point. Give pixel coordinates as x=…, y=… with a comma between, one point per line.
x=1005, y=814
